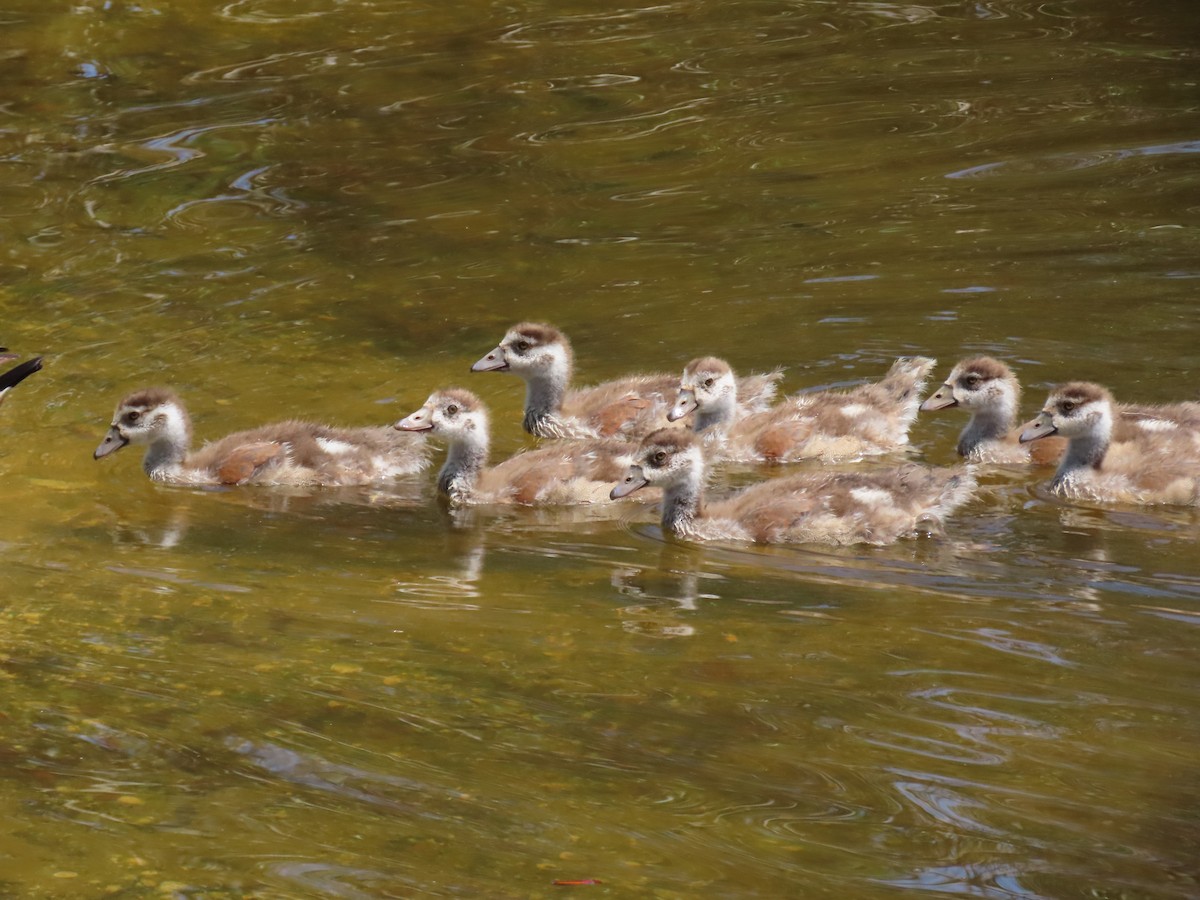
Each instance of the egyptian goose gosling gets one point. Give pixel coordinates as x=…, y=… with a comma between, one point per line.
x=560, y=474
x=627, y=407
x=1159, y=464
x=990, y=392
x=826, y=507
x=16, y=374
x=864, y=421
x=286, y=453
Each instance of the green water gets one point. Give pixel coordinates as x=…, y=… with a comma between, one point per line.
x=329, y=209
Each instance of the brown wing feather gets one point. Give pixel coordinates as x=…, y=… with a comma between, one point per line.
x=587, y=401
x=231, y=458
x=615, y=417
x=845, y=507
x=528, y=476
x=246, y=461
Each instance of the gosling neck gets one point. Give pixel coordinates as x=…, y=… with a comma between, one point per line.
x=165, y=455
x=683, y=503
x=465, y=459
x=544, y=392
x=1087, y=450
x=719, y=415
x=986, y=425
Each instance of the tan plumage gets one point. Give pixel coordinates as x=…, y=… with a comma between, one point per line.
x=570, y=472
x=988, y=389
x=627, y=407
x=863, y=421
x=825, y=507
x=285, y=453
x=1155, y=461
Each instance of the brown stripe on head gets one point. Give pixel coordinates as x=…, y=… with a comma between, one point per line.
x=707, y=364
x=985, y=367
x=461, y=397
x=539, y=333
x=1080, y=392
x=673, y=440
x=148, y=398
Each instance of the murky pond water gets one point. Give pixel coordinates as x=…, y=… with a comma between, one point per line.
x=329, y=209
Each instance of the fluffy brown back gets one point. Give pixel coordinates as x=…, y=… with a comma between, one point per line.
x=564, y=472
x=847, y=507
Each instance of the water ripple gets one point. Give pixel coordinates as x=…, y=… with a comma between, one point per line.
x=375, y=788
x=259, y=69
x=625, y=128
x=588, y=28
x=260, y=12
x=997, y=639
x=1072, y=161
x=176, y=146
x=945, y=806
x=991, y=881
x=251, y=192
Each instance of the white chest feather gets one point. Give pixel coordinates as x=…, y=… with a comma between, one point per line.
x=335, y=447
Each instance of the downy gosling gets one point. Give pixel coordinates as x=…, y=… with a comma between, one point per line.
x=989, y=391
x=820, y=507
x=628, y=407
x=863, y=421
x=566, y=473
x=286, y=453
x=1156, y=465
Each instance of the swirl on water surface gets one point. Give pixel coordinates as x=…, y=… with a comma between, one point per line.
x=252, y=193
x=590, y=28
x=263, y=69
x=990, y=881
x=1074, y=161
x=275, y=12
x=624, y=128
x=178, y=148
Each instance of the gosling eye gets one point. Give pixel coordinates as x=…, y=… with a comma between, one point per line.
x=132, y=416
x=659, y=458
x=1067, y=406
x=973, y=381
x=708, y=382
x=522, y=346
x=451, y=409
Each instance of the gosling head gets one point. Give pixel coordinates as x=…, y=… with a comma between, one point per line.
x=666, y=458
x=147, y=417
x=531, y=350
x=1074, y=410
x=454, y=415
x=707, y=385
x=977, y=385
